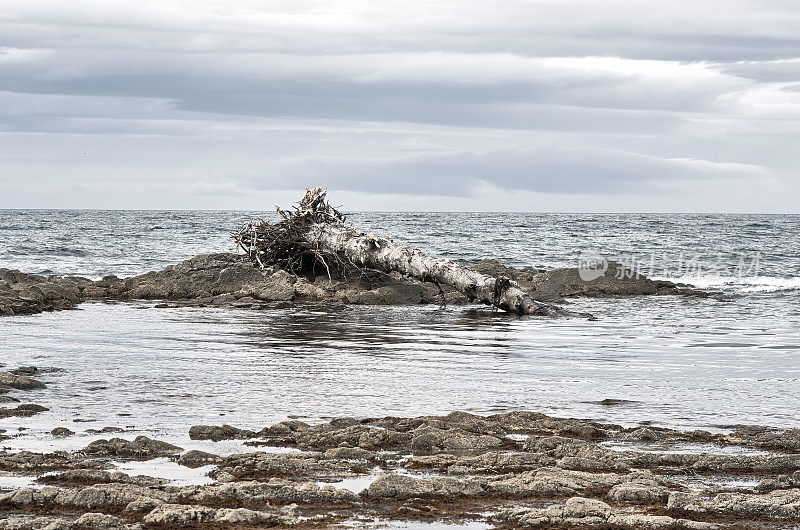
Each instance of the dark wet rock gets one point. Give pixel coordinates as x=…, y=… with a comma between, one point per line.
x=90, y=497
x=613, y=279
x=571, y=428
x=329, y=436
x=580, y=512
x=456, y=432
x=28, y=462
x=206, y=275
x=518, y=421
x=553, y=482
x=585, y=455
x=61, y=432
x=779, y=504
x=644, y=434
x=8, y=399
x=26, y=371
x=194, y=459
x=464, y=421
x=22, y=411
x=611, y=402
x=641, y=488
x=22, y=294
x=141, y=447
x=535, y=423
x=216, y=433
x=99, y=521
x=88, y=477
x=180, y=514
x=19, y=382
x=545, y=482
x=324, y=466
x=285, y=428
x=487, y=463
x=90, y=520
x=393, y=486
x=225, y=279
x=276, y=491
x=715, y=463
x=29, y=522
x=780, y=482
x=430, y=439
x=105, y=430
x=559, y=446
x=471, y=466
x=766, y=438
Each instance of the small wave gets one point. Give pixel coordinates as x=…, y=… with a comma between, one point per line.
x=65, y=251
x=744, y=284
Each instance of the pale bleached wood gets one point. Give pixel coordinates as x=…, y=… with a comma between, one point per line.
x=315, y=227
x=380, y=253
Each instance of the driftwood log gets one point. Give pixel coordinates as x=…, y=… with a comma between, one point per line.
x=316, y=229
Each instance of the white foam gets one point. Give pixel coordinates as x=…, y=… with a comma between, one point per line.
x=743, y=284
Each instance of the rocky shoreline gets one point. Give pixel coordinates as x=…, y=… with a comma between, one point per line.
x=231, y=280
x=518, y=469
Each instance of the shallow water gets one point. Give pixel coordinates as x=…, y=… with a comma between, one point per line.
x=708, y=249
x=679, y=362
x=157, y=370
x=166, y=468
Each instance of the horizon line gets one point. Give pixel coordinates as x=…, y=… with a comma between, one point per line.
x=404, y=211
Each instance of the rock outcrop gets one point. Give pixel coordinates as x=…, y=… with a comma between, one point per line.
x=512, y=470
x=22, y=294
x=613, y=279
x=580, y=512
x=19, y=382
x=228, y=279
x=140, y=448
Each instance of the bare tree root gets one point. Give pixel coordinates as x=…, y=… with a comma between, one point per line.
x=316, y=231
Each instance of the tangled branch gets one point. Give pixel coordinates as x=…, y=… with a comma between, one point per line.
x=314, y=233
x=282, y=244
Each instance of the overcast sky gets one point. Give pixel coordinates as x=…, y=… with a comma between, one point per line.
x=548, y=105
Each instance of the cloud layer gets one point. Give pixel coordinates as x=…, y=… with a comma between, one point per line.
x=414, y=105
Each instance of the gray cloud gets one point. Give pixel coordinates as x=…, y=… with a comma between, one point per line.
x=550, y=170
x=197, y=101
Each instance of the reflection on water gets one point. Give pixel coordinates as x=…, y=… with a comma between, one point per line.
x=158, y=371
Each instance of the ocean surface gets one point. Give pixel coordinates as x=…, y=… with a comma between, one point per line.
x=682, y=362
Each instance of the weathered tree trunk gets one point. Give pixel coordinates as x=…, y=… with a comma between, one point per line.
x=315, y=227
x=379, y=253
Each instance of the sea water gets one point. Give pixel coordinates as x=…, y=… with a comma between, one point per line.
x=689, y=362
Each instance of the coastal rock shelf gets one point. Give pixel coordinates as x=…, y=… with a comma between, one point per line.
x=230, y=280
x=511, y=470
